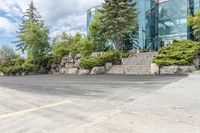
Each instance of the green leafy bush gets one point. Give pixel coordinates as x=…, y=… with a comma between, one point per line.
x=85, y=47
x=29, y=67
x=90, y=62
x=59, y=51
x=178, y=53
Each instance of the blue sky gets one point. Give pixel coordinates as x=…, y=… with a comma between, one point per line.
x=59, y=15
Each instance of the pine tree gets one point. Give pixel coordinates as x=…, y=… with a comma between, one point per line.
x=118, y=18
x=33, y=36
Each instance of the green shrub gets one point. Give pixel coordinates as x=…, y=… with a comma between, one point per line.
x=17, y=69
x=11, y=69
x=29, y=67
x=127, y=54
x=85, y=47
x=90, y=62
x=178, y=53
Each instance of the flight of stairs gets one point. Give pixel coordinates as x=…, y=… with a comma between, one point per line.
x=139, y=64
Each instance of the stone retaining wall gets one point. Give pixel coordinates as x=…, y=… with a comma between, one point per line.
x=175, y=69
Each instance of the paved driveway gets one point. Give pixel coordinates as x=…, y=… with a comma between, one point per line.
x=94, y=104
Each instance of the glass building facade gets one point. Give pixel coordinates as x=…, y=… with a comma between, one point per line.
x=173, y=20
x=91, y=13
x=161, y=21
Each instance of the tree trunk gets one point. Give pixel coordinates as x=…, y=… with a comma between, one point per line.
x=118, y=43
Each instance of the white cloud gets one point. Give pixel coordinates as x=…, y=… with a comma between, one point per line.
x=59, y=15
x=66, y=15
x=7, y=27
x=11, y=6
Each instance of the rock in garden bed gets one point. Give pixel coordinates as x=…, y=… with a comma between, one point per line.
x=84, y=72
x=98, y=70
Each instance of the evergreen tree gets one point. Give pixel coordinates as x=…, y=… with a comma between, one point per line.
x=118, y=18
x=33, y=36
x=194, y=22
x=95, y=33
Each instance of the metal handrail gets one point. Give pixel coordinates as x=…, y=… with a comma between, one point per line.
x=149, y=45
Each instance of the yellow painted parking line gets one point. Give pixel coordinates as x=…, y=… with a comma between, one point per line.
x=22, y=112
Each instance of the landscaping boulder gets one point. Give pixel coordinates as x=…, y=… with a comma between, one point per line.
x=2, y=74
x=63, y=71
x=84, y=72
x=70, y=65
x=108, y=66
x=155, y=70
x=169, y=69
x=64, y=60
x=18, y=74
x=177, y=69
x=33, y=73
x=78, y=56
x=24, y=73
x=72, y=70
x=98, y=70
x=186, y=69
x=95, y=54
x=77, y=62
x=196, y=62
x=54, y=71
x=54, y=66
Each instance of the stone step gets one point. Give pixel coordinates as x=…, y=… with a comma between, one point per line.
x=138, y=64
x=137, y=69
x=140, y=59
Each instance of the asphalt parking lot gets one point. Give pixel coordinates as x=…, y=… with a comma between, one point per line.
x=75, y=104
x=59, y=85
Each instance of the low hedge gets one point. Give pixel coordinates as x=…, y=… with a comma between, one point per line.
x=178, y=53
x=11, y=70
x=17, y=69
x=90, y=62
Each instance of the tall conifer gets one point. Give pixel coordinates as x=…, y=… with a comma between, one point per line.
x=33, y=36
x=118, y=18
